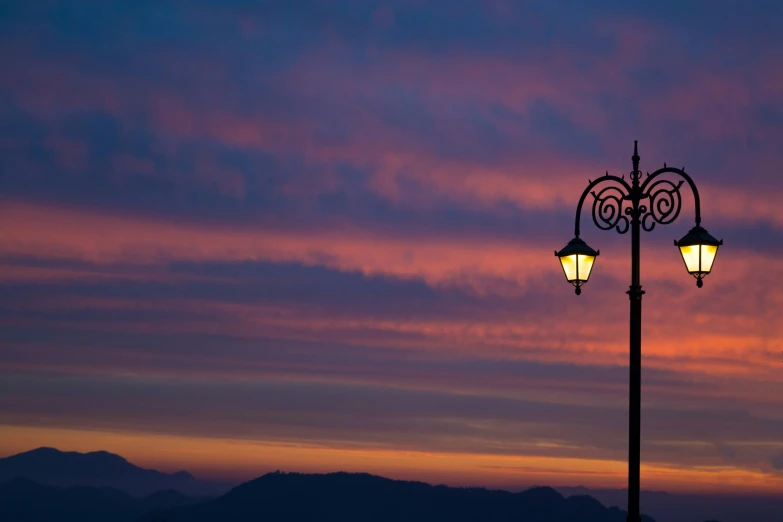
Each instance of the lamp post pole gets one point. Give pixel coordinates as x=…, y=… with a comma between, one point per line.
x=635, y=293
x=639, y=205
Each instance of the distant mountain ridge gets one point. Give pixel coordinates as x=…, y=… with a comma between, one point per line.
x=49, y=466
x=105, y=479
x=359, y=497
x=680, y=507
x=24, y=500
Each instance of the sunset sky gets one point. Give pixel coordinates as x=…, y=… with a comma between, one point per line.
x=240, y=236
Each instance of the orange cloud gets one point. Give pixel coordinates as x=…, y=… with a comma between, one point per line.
x=711, y=336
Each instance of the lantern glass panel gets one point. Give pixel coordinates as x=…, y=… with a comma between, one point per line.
x=577, y=267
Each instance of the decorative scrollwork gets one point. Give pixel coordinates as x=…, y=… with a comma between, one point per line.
x=644, y=202
x=665, y=204
x=608, y=209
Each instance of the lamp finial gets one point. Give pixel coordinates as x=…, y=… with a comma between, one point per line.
x=635, y=174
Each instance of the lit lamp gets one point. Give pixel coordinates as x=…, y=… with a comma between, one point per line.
x=698, y=249
x=618, y=206
x=577, y=260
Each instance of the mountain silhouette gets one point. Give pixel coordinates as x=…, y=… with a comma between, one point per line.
x=358, y=497
x=108, y=484
x=678, y=507
x=52, y=467
x=22, y=500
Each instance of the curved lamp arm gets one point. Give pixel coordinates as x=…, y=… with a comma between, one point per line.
x=680, y=172
x=615, y=203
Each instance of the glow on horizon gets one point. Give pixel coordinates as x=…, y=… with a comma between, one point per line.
x=242, y=460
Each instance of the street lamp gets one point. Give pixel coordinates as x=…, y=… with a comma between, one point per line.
x=698, y=249
x=618, y=205
x=577, y=260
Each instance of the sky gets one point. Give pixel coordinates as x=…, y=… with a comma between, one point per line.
x=241, y=236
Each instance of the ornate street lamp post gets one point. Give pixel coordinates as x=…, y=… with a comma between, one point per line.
x=619, y=205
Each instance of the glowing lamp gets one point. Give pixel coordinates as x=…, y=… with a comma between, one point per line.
x=577, y=260
x=698, y=249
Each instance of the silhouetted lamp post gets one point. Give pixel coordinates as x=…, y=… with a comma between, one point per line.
x=618, y=205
